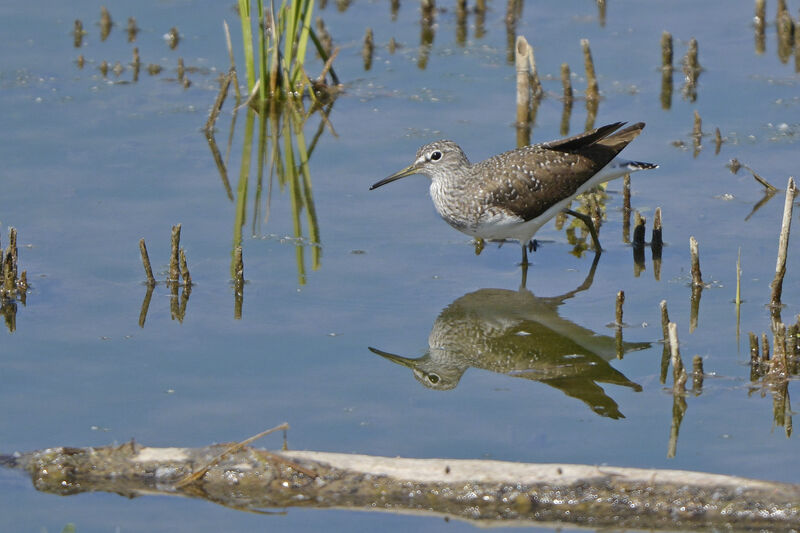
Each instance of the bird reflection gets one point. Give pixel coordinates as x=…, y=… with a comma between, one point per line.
x=520, y=335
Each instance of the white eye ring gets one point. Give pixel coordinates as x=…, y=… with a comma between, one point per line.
x=436, y=155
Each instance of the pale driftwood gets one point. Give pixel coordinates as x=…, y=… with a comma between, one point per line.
x=487, y=493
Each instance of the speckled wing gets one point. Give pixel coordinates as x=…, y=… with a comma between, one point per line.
x=529, y=180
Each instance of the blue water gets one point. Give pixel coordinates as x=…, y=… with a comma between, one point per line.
x=91, y=166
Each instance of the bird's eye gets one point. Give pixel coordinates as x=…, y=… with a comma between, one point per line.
x=436, y=155
x=433, y=378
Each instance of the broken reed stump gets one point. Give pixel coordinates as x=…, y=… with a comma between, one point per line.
x=691, y=70
x=618, y=309
x=13, y=283
x=759, y=23
x=666, y=51
x=664, y=321
x=182, y=74
x=697, y=134
x=755, y=355
x=639, y=230
x=592, y=89
x=656, y=244
x=691, y=64
x=626, y=208
x=779, y=363
x=13, y=287
x=656, y=239
x=428, y=8
x=173, y=38
x=566, y=82
x=174, y=259
x=784, y=361
x=132, y=29
x=136, y=64
x=786, y=32
x=529, y=89
x=178, y=267
x=783, y=246
x=427, y=32
x=666, y=70
x=697, y=285
x=697, y=277
x=522, y=49
x=618, y=323
x=368, y=49
x=638, y=243
x=480, y=18
x=697, y=127
x=105, y=23
x=665, y=354
x=461, y=22
x=77, y=33
x=148, y=270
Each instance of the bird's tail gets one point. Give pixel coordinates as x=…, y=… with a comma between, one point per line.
x=620, y=139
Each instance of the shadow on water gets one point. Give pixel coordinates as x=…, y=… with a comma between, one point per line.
x=520, y=335
x=281, y=155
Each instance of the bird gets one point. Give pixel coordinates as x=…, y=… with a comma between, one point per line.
x=510, y=196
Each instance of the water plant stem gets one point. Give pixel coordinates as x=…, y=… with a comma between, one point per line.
x=783, y=245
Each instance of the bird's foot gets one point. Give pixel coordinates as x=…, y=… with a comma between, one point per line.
x=479, y=244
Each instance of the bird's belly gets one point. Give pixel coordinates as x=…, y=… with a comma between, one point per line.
x=509, y=227
x=476, y=219
x=498, y=226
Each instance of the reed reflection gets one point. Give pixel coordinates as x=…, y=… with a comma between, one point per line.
x=521, y=335
x=275, y=137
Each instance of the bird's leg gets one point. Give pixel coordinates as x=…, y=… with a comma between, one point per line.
x=524, y=277
x=586, y=219
x=524, y=257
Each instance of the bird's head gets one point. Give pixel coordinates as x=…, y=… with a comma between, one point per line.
x=435, y=160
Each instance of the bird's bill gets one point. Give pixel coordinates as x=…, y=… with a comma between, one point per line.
x=399, y=359
x=408, y=171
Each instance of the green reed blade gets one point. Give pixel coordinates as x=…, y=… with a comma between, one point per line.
x=302, y=42
x=247, y=42
x=262, y=51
